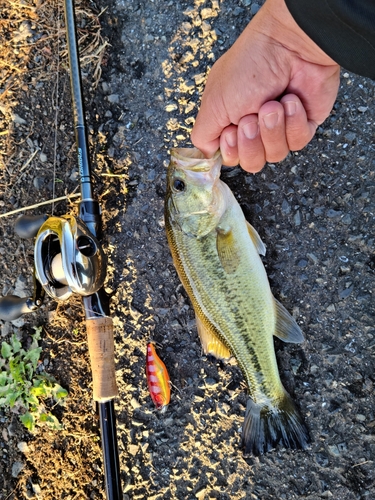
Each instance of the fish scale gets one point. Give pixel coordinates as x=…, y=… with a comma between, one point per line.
x=216, y=254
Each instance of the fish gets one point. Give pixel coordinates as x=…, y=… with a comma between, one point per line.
x=216, y=254
x=158, y=380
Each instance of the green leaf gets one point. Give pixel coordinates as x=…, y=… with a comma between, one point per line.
x=16, y=344
x=29, y=371
x=43, y=417
x=17, y=369
x=33, y=355
x=6, y=350
x=28, y=421
x=38, y=331
x=59, y=392
x=13, y=398
x=39, y=389
x=4, y=378
x=32, y=399
x=7, y=389
x=20, y=385
x=51, y=421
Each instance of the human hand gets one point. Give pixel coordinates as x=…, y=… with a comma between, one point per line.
x=241, y=110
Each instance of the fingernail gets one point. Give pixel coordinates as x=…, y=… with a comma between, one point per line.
x=290, y=108
x=251, y=130
x=231, y=139
x=270, y=120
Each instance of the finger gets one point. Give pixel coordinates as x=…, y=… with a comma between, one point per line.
x=299, y=129
x=212, y=117
x=250, y=147
x=208, y=148
x=228, y=146
x=272, y=131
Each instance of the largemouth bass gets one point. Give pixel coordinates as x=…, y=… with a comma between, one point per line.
x=216, y=254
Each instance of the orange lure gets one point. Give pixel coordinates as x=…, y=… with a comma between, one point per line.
x=157, y=378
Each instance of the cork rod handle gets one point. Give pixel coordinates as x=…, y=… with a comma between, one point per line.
x=102, y=356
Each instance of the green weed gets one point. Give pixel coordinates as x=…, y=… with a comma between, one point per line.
x=25, y=389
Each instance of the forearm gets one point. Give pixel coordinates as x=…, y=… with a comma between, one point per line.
x=343, y=29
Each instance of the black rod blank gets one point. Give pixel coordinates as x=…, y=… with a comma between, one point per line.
x=77, y=101
x=97, y=304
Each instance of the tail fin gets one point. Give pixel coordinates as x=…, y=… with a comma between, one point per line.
x=267, y=426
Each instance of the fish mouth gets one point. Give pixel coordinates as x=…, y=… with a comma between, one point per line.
x=193, y=159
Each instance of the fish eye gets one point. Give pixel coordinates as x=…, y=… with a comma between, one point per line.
x=179, y=185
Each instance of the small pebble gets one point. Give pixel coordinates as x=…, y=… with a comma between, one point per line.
x=333, y=450
x=345, y=293
x=326, y=494
x=23, y=447
x=133, y=449
x=105, y=87
x=333, y=213
x=285, y=207
x=18, y=119
x=36, y=489
x=312, y=257
x=350, y=136
x=346, y=219
x=297, y=218
x=254, y=8
x=114, y=98
x=16, y=468
x=38, y=182
x=318, y=210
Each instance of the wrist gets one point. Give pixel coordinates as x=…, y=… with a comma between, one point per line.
x=285, y=31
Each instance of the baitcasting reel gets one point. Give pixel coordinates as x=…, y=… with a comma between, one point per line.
x=67, y=259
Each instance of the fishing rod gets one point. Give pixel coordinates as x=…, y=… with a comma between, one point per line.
x=69, y=259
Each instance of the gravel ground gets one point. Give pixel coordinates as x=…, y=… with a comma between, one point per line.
x=314, y=211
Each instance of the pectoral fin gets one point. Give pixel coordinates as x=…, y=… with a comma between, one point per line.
x=259, y=245
x=210, y=343
x=286, y=326
x=227, y=249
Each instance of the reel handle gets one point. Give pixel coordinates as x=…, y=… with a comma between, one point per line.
x=27, y=226
x=12, y=307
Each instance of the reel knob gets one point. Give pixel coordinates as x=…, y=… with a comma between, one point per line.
x=12, y=307
x=27, y=226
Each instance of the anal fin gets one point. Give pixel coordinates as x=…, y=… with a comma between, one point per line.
x=210, y=342
x=286, y=326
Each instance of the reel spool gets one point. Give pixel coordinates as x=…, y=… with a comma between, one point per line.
x=68, y=258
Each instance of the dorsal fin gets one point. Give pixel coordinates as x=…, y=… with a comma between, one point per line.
x=256, y=239
x=286, y=326
x=210, y=343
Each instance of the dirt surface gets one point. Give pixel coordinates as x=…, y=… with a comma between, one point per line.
x=144, y=70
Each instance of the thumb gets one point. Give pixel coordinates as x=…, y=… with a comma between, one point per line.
x=212, y=117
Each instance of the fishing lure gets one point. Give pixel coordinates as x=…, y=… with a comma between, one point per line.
x=157, y=378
